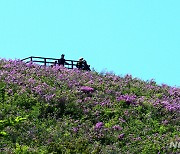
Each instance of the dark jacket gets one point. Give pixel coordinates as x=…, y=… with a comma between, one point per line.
x=61, y=61
x=79, y=64
x=86, y=66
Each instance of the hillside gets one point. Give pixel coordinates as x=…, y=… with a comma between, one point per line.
x=56, y=110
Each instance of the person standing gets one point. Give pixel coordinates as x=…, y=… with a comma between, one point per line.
x=62, y=61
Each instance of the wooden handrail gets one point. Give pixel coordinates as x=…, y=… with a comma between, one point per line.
x=48, y=58
x=25, y=58
x=44, y=57
x=45, y=61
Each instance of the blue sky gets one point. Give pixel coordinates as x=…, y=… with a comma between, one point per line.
x=138, y=37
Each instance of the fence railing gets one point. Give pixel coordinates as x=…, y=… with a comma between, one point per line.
x=50, y=61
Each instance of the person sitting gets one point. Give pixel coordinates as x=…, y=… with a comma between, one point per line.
x=55, y=63
x=86, y=66
x=80, y=63
x=62, y=61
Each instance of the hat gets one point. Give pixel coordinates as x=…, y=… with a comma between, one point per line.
x=62, y=55
x=81, y=58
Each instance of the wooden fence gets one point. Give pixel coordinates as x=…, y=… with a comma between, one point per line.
x=50, y=61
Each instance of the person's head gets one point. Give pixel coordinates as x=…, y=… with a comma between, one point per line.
x=81, y=59
x=62, y=56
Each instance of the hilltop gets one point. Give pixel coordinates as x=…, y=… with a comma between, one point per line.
x=57, y=110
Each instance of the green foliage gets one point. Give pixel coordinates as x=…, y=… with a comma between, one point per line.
x=44, y=110
x=9, y=122
x=21, y=149
x=2, y=92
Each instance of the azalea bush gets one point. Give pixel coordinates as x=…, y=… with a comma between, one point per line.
x=57, y=110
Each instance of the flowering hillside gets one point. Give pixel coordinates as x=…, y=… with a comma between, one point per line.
x=56, y=110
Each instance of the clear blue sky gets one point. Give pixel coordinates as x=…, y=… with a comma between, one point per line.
x=138, y=37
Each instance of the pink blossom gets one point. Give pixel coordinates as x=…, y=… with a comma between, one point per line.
x=117, y=127
x=120, y=136
x=87, y=89
x=99, y=125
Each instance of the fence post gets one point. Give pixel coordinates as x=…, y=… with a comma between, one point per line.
x=72, y=64
x=31, y=59
x=44, y=61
